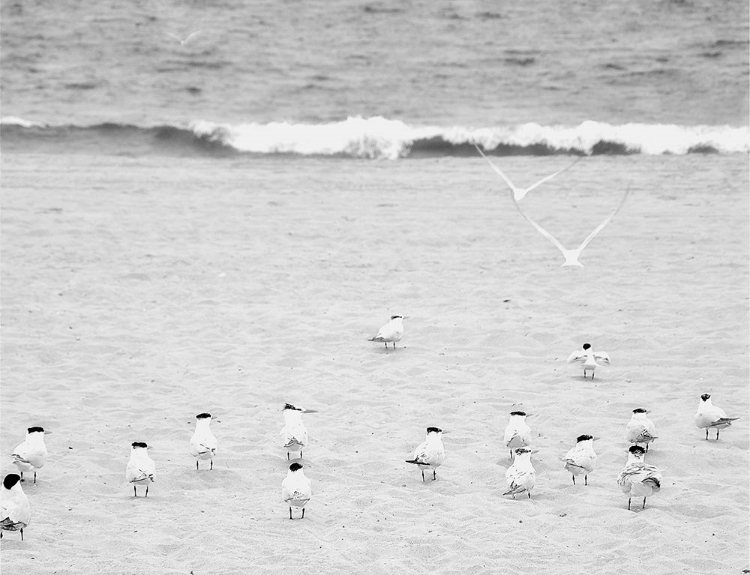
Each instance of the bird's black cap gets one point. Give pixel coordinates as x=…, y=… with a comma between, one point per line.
x=434, y=430
x=203, y=416
x=705, y=396
x=139, y=444
x=584, y=437
x=395, y=316
x=640, y=410
x=35, y=429
x=518, y=413
x=522, y=450
x=10, y=480
x=290, y=406
x=295, y=467
x=586, y=346
x=637, y=449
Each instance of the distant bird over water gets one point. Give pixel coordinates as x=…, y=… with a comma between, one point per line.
x=15, y=512
x=520, y=193
x=31, y=455
x=638, y=479
x=640, y=428
x=581, y=459
x=391, y=332
x=711, y=417
x=141, y=468
x=296, y=489
x=203, y=443
x=186, y=39
x=430, y=454
x=588, y=357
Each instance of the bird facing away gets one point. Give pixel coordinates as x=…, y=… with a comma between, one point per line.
x=638, y=479
x=588, y=357
x=30, y=455
x=203, y=443
x=640, y=428
x=711, y=417
x=520, y=193
x=294, y=433
x=520, y=476
x=517, y=432
x=14, y=505
x=296, y=489
x=581, y=459
x=141, y=467
x=571, y=256
x=391, y=332
x=431, y=453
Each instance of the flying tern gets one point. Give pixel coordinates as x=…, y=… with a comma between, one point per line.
x=431, y=453
x=14, y=505
x=571, y=256
x=31, y=455
x=517, y=432
x=520, y=476
x=391, y=332
x=711, y=417
x=581, y=459
x=588, y=357
x=520, y=193
x=186, y=39
x=296, y=489
x=638, y=479
x=141, y=467
x=640, y=428
x=203, y=443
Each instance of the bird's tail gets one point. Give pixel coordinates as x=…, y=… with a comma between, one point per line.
x=724, y=421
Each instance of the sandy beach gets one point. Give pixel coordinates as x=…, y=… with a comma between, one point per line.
x=139, y=292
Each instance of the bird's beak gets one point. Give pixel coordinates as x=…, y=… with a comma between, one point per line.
x=309, y=410
x=596, y=438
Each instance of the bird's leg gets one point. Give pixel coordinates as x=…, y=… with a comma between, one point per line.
x=23, y=479
x=287, y=456
x=717, y=437
x=707, y=434
x=386, y=345
x=511, y=453
x=135, y=491
x=628, y=503
x=212, y=464
x=644, y=503
x=434, y=475
x=647, y=447
x=574, y=480
x=146, y=490
x=423, y=475
x=303, y=513
x=585, y=479
x=529, y=493
x=300, y=454
x=290, y=513
x=1, y=534
x=21, y=534
x=196, y=465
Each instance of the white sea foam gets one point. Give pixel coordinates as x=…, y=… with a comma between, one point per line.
x=16, y=121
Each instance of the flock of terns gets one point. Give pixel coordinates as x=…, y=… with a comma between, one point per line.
x=637, y=479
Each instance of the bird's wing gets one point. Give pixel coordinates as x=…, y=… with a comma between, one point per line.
x=18, y=458
x=540, y=182
x=600, y=227
x=174, y=36
x=602, y=356
x=576, y=356
x=500, y=173
x=724, y=421
x=539, y=228
x=192, y=35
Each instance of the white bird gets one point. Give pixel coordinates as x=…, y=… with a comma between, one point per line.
x=640, y=428
x=431, y=453
x=14, y=506
x=391, y=332
x=588, y=357
x=520, y=193
x=31, y=455
x=186, y=39
x=710, y=416
x=294, y=433
x=141, y=467
x=520, y=476
x=638, y=479
x=517, y=432
x=571, y=256
x=296, y=489
x=203, y=443
x=581, y=459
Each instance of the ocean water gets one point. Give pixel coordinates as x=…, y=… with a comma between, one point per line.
x=375, y=79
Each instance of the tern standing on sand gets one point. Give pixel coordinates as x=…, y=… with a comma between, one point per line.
x=711, y=417
x=640, y=428
x=31, y=455
x=517, y=432
x=141, y=467
x=581, y=459
x=520, y=476
x=296, y=489
x=431, y=453
x=391, y=332
x=15, y=512
x=638, y=479
x=203, y=443
x=294, y=432
x=588, y=357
